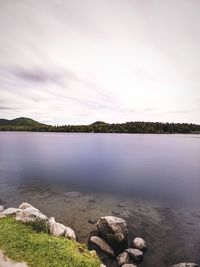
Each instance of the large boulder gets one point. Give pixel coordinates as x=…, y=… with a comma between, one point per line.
x=122, y=258
x=183, y=264
x=103, y=245
x=113, y=229
x=30, y=214
x=25, y=205
x=139, y=243
x=10, y=211
x=135, y=254
x=59, y=229
x=56, y=229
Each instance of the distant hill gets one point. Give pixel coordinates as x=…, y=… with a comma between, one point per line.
x=97, y=123
x=26, y=124
x=20, y=124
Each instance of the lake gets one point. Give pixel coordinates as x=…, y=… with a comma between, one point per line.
x=74, y=177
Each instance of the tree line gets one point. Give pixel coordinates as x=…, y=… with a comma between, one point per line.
x=101, y=127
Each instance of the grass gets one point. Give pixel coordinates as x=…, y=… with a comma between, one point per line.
x=21, y=244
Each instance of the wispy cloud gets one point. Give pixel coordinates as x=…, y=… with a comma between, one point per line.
x=76, y=62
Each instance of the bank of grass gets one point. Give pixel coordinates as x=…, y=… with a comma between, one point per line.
x=21, y=244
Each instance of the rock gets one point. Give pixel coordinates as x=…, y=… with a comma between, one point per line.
x=139, y=243
x=92, y=220
x=186, y=265
x=113, y=229
x=129, y=265
x=10, y=211
x=116, y=212
x=102, y=265
x=121, y=205
x=2, y=215
x=25, y=205
x=103, y=245
x=122, y=258
x=73, y=194
x=59, y=229
x=135, y=254
x=69, y=233
x=56, y=229
x=1, y=208
x=30, y=214
x=92, y=200
x=93, y=253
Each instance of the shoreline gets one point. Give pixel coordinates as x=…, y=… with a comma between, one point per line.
x=149, y=221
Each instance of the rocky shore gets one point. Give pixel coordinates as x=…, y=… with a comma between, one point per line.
x=109, y=241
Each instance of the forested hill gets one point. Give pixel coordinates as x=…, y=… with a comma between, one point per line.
x=20, y=124
x=26, y=124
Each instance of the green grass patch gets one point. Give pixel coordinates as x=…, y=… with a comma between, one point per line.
x=22, y=244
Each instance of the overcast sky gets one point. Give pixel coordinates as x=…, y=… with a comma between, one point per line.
x=78, y=61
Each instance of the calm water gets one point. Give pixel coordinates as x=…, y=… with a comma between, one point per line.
x=160, y=167
x=156, y=177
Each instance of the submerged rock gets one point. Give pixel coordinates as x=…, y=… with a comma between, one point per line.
x=122, y=258
x=139, y=243
x=30, y=214
x=186, y=265
x=135, y=254
x=92, y=220
x=116, y=212
x=73, y=194
x=10, y=211
x=103, y=245
x=113, y=229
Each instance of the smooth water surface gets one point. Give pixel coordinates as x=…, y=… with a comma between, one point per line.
x=160, y=167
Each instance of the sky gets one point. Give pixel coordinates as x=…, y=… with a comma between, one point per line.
x=76, y=62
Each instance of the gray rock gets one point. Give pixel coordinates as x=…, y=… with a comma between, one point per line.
x=135, y=254
x=113, y=228
x=30, y=214
x=139, y=243
x=103, y=245
x=59, y=229
x=92, y=220
x=1, y=208
x=56, y=229
x=10, y=211
x=186, y=265
x=122, y=258
x=25, y=205
x=69, y=233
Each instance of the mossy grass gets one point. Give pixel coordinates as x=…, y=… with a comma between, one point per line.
x=22, y=244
